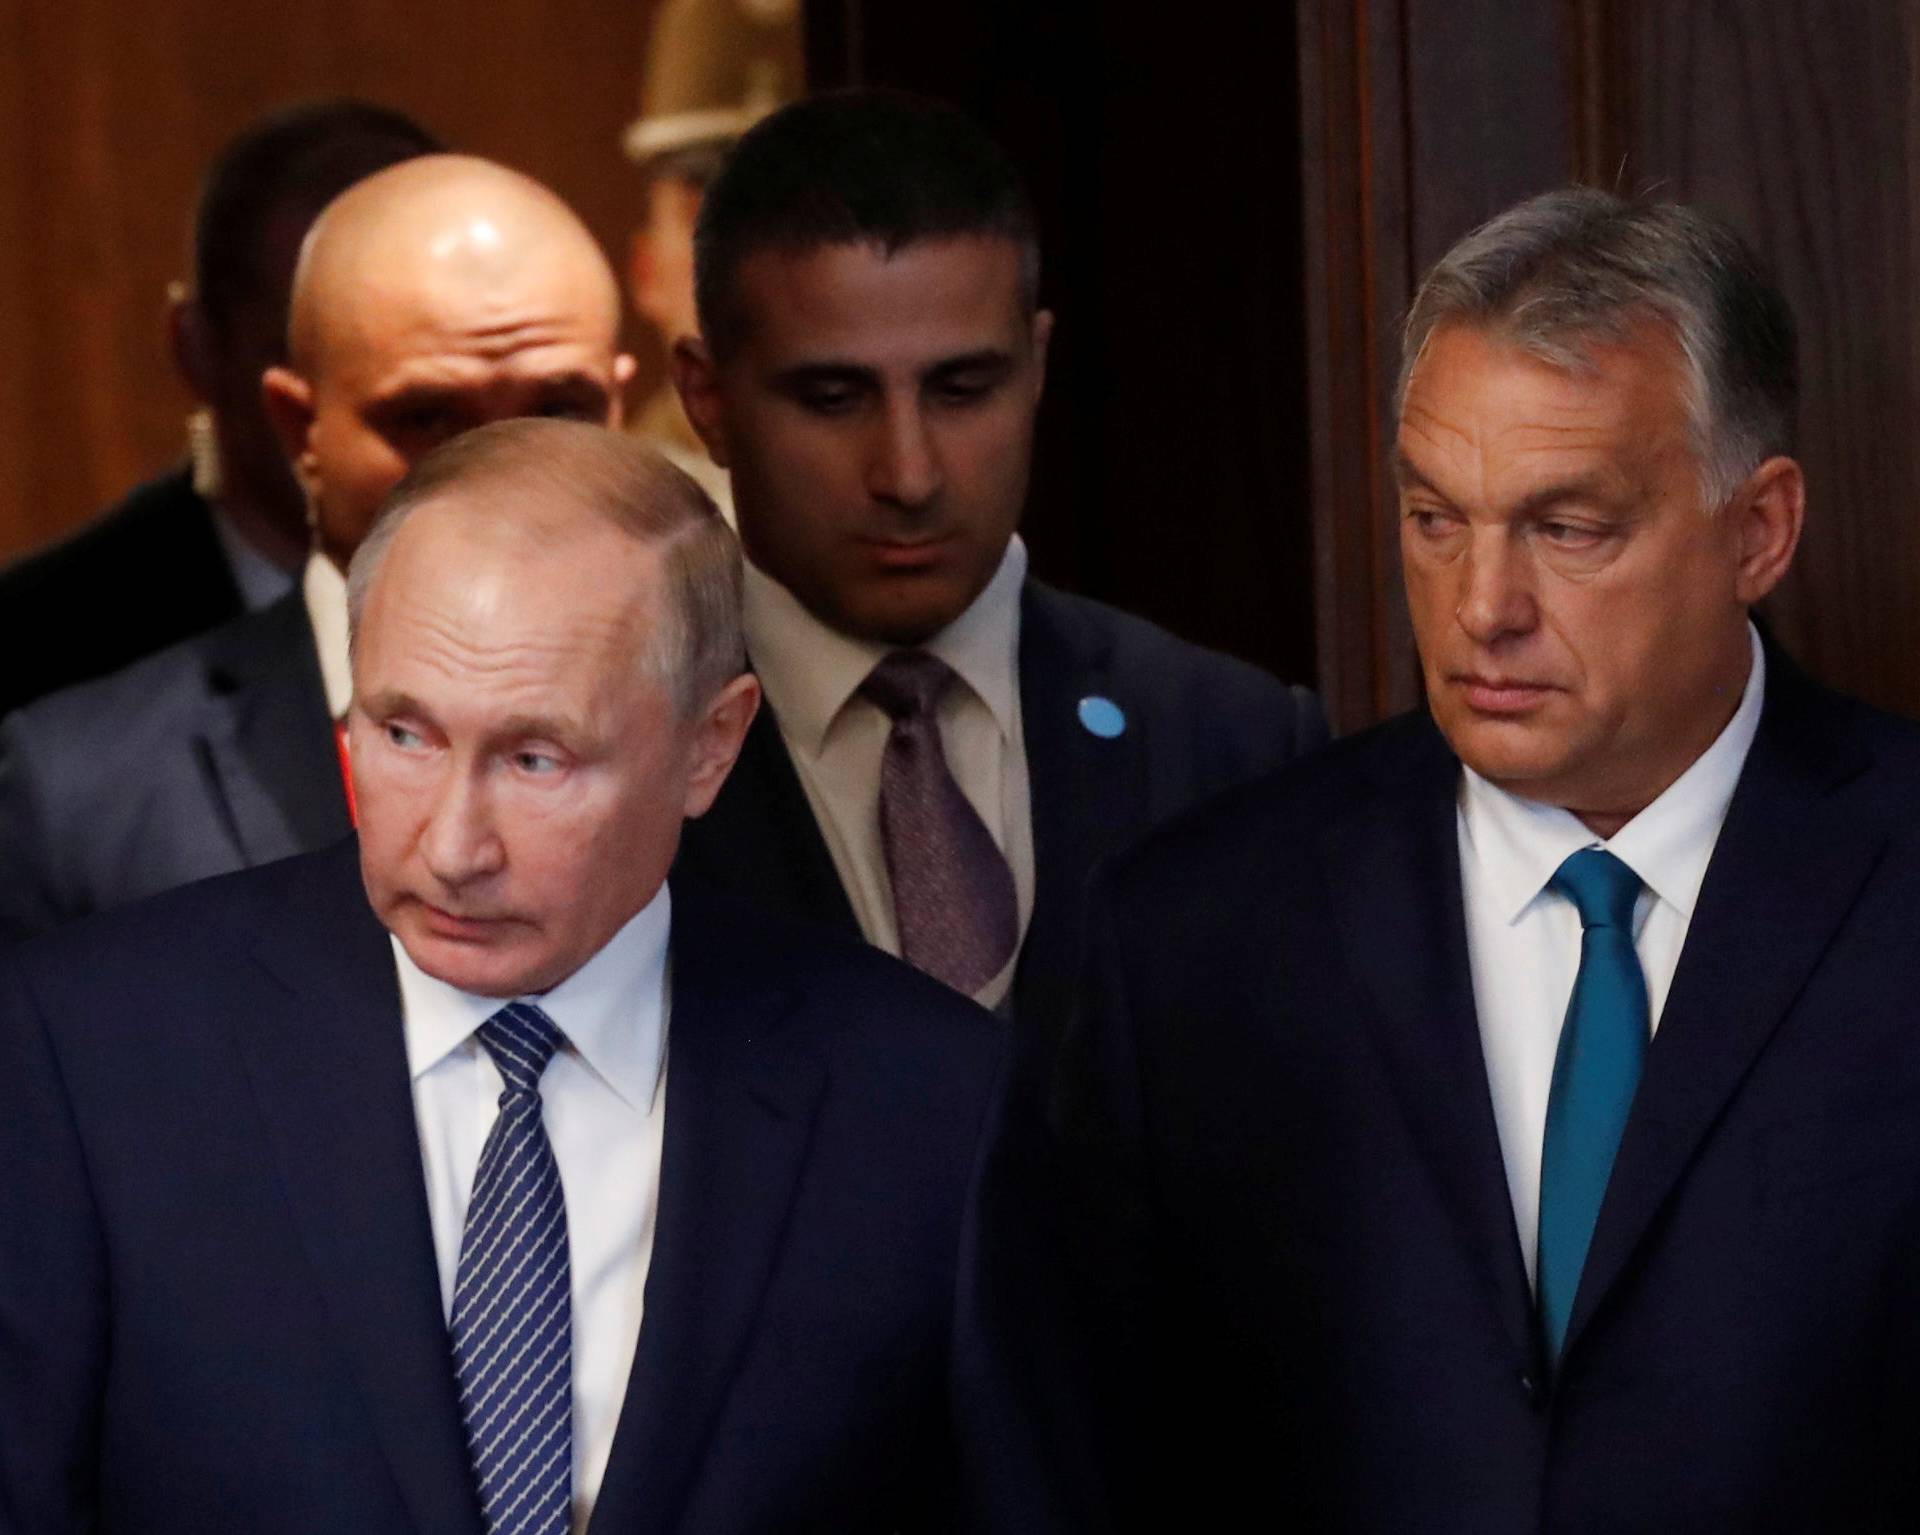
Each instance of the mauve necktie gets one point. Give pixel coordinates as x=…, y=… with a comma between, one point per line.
x=512, y=1302
x=1595, y=1073
x=953, y=896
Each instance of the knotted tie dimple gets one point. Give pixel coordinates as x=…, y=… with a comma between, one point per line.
x=512, y=1302
x=1595, y=1072
x=953, y=895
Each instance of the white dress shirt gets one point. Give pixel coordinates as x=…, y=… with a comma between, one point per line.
x=1523, y=940
x=325, y=591
x=836, y=737
x=603, y=1104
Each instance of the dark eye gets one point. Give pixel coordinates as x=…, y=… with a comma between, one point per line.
x=403, y=736
x=965, y=388
x=591, y=409
x=827, y=397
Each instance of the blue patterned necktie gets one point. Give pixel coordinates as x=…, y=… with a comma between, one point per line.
x=1595, y=1072
x=512, y=1303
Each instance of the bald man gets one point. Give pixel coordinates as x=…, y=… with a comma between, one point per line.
x=431, y=298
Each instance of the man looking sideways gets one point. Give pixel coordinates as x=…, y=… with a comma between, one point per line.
x=1534, y=1150
x=467, y=1178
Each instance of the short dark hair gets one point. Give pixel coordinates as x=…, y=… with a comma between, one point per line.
x=1565, y=269
x=869, y=167
x=292, y=162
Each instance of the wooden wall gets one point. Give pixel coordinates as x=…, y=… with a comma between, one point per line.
x=109, y=111
x=1796, y=119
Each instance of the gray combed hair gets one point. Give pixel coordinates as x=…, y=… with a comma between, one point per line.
x=699, y=646
x=1567, y=269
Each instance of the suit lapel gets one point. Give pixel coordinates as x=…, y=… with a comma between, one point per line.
x=1393, y=865
x=268, y=751
x=1791, y=858
x=761, y=840
x=330, y=1074
x=743, y=1084
x=1087, y=792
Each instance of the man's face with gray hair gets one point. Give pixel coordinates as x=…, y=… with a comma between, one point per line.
x=1580, y=611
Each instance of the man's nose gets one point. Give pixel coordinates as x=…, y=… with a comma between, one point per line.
x=905, y=464
x=461, y=843
x=1496, y=591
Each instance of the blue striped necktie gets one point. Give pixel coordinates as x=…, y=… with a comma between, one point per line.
x=512, y=1304
x=1595, y=1072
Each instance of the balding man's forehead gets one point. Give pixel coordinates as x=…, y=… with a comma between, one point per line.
x=442, y=221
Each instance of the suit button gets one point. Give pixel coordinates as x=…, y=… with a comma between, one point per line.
x=1530, y=1388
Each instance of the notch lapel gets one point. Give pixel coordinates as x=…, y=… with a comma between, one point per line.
x=1790, y=860
x=268, y=753
x=327, y=1060
x=743, y=1085
x=1393, y=865
x=1088, y=794
x=761, y=841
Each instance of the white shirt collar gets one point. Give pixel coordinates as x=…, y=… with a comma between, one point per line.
x=1520, y=843
x=809, y=670
x=325, y=590
x=612, y=1010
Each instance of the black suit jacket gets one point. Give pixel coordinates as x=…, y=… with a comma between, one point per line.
x=1196, y=723
x=1286, y=1214
x=219, y=1306
x=214, y=755
x=139, y=577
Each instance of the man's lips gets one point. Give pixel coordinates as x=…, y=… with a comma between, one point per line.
x=458, y=926
x=1500, y=695
x=907, y=553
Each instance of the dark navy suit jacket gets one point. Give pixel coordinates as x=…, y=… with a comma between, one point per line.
x=1286, y=1218
x=146, y=573
x=1195, y=722
x=214, y=755
x=219, y=1308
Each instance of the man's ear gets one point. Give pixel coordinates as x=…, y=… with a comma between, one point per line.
x=1042, y=334
x=719, y=734
x=187, y=343
x=623, y=371
x=697, y=379
x=290, y=407
x=1768, y=512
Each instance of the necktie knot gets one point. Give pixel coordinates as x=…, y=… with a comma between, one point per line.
x=521, y=1039
x=908, y=683
x=1602, y=888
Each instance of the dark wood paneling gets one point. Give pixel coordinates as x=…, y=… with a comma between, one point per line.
x=1795, y=119
x=110, y=111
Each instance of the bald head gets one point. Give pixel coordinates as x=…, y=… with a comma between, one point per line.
x=437, y=296
x=451, y=220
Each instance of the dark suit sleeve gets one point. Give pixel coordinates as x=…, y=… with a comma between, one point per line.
x=1310, y=730
x=1060, y=1283
x=27, y=902
x=52, y=1288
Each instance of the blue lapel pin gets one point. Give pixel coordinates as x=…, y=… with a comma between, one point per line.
x=1102, y=717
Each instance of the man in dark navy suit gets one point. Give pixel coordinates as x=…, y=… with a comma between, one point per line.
x=949, y=744
x=1509, y=1120
x=466, y=1178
